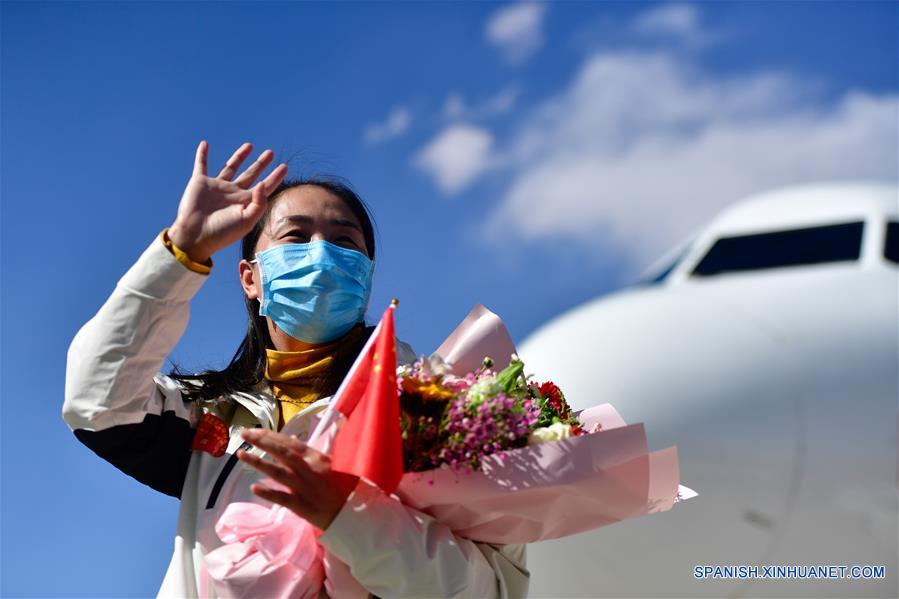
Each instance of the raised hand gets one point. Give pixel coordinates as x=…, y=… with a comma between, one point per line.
x=215, y=211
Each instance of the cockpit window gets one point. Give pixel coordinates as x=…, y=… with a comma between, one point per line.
x=813, y=245
x=891, y=247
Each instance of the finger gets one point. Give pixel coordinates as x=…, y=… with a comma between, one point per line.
x=277, y=472
x=291, y=459
x=235, y=161
x=284, y=448
x=301, y=470
x=200, y=158
x=275, y=177
x=247, y=177
x=288, y=500
x=272, y=441
x=318, y=462
x=256, y=208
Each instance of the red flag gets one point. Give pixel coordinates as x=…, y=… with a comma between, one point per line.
x=369, y=443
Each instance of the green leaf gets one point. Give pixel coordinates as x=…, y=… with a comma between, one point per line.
x=510, y=377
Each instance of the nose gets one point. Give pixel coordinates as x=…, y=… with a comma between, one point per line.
x=317, y=236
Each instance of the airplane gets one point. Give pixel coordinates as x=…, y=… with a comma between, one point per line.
x=766, y=348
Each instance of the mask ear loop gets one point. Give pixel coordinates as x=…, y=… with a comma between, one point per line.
x=262, y=276
x=370, y=281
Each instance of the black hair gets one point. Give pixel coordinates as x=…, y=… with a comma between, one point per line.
x=247, y=367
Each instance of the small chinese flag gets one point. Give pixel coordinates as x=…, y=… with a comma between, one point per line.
x=211, y=435
x=369, y=442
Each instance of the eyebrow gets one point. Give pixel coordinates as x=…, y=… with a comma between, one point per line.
x=308, y=220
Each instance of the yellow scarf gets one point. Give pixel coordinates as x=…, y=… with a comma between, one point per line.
x=298, y=378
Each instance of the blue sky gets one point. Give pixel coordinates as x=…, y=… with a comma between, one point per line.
x=525, y=156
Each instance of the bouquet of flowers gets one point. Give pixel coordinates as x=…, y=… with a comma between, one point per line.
x=501, y=458
x=457, y=421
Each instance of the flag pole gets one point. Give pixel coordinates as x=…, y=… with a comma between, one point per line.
x=329, y=417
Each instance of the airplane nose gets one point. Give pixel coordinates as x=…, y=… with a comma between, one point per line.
x=784, y=423
x=700, y=378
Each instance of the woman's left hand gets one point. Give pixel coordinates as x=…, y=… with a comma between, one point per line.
x=316, y=493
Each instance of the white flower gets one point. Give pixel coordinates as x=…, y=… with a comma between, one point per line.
x=435, y=365
x=553, y=432
x=483, y=390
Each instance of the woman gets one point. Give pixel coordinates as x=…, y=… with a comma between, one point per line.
x=307, y=251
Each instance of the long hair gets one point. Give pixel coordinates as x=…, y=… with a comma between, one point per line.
x=247, y=367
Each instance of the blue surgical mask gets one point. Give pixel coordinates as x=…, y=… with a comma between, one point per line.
x=316, y=291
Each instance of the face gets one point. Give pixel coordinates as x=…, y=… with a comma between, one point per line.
x=300, y=215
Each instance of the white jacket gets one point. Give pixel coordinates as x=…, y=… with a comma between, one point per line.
x=120, y=405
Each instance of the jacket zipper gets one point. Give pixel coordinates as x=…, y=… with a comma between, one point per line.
x=226, y=470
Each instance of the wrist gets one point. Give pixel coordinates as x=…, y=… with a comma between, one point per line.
x=184, y=243
x=344, y=484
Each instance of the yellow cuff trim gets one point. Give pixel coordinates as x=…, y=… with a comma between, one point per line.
x=182, y=256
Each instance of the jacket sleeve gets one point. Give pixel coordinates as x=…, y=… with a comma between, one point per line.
x=396, y=551
x=116, y=400
x=183, y=256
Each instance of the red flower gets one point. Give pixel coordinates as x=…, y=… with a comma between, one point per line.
x=550, y=390
x=555, y=399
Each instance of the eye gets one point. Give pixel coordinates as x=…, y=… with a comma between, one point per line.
x=347, y=242
x=296, y=233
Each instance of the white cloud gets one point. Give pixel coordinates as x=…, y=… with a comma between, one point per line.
x=456, y=156
x=500, y=103
x=397, y=123
x=642, y=148
x=679, y=21
x=455, y=108
x=517, y=30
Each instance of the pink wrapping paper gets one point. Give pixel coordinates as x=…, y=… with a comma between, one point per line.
x=272, y=552
x=268, y=552
x=552, y=489
x=549, y=490
x=481, y=334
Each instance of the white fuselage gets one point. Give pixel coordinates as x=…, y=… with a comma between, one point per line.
x=778, y=385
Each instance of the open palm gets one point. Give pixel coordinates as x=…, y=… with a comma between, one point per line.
x=217, y=211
